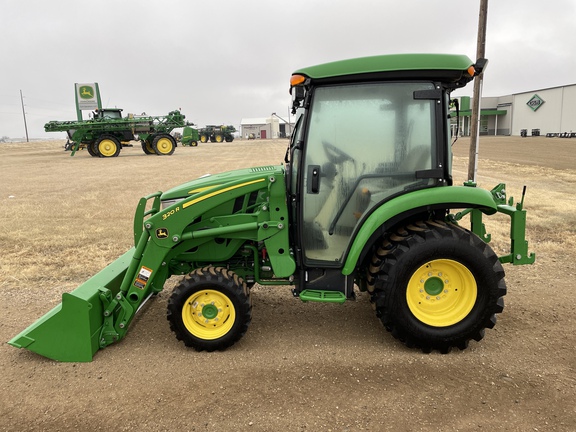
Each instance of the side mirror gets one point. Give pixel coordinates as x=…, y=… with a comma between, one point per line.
x=298, y=93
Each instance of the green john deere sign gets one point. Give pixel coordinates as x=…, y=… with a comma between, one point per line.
x=535, y=102
x=87, y=98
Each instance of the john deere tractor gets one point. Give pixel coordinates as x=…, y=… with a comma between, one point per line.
x=364, y=202
x=218, y=134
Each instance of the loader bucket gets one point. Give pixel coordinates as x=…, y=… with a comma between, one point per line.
x=71, y=331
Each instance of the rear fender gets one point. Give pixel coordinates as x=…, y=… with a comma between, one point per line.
x=421, y=200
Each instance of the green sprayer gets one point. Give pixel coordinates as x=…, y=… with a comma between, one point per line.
x=107, y=132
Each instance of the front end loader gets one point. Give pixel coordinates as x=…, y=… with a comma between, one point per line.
x=228, y=218
x=365, y=201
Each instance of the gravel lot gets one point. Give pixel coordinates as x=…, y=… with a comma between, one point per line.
x=301, y=366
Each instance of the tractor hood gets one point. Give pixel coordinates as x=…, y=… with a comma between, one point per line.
x=217, y=181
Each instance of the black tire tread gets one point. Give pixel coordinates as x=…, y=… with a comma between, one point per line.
x=221, y=279
x=383, y=271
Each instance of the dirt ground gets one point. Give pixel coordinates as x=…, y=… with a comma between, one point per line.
x=301, y=366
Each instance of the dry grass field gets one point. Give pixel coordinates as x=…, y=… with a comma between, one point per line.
x=301, y=366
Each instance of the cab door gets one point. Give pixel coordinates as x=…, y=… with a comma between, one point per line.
x=364, y=144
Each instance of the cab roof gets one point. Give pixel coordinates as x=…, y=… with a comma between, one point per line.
x=442, y=67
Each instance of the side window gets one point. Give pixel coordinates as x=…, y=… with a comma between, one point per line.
x=364, y=144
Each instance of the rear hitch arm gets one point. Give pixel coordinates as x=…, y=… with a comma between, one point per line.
x=519, y=253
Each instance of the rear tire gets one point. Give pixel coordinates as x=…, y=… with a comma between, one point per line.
x=203, y=138
x=219, y=138
x=437, y=286
x=210, y=309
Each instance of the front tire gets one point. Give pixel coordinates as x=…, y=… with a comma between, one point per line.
x=437, y=286
x=210, y=309
x=164, y=145
x=108, y=146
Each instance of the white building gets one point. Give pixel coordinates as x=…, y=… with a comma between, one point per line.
x=265, y=128
x=537, y=112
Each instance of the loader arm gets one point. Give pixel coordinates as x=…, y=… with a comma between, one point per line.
x=196, y=228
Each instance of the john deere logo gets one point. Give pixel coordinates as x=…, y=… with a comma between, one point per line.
x=162, y=233
x=535, y=102
x=86, y=92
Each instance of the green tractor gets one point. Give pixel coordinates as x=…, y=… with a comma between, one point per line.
x=217, y=134
x=364, y=202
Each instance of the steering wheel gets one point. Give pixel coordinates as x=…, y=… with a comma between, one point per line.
x=336, y=155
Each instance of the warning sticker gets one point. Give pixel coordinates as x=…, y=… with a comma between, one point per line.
x=142, y=278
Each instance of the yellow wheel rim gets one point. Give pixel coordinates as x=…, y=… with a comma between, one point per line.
x=219, y=138
x=164, y=145
x=107, y=147
x=441, y=293
x=208, y=314
x=203, y=138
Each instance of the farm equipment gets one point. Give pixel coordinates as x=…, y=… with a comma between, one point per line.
x=107, y=132
x=217, y=133
x=189, y=137
x=364, y=202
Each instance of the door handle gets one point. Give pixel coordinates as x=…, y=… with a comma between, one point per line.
x=313, y=186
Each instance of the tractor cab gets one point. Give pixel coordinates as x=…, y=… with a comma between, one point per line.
x=368, y=130
x=108, y=114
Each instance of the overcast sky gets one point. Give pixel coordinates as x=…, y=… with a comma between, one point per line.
x=224, y=60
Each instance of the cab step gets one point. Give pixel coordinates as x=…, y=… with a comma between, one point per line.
x=322, y=296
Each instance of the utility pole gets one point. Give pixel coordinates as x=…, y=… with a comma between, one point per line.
x=24, y=114
x=475, y=120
